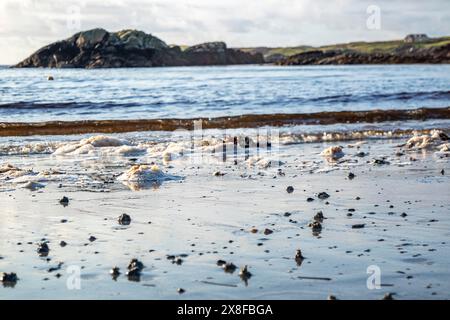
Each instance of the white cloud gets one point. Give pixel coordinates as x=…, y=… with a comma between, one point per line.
x=27, y=25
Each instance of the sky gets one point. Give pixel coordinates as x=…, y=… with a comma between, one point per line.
x=27, y=25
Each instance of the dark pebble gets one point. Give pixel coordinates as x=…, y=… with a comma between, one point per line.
x=323, y=195
x=115, y=272
x=229, y=267
x=8, y=278
x=135, y=264
x=244, y=273
x=319, y=216
x=124, y=219
x=64, y=201
x=43, y=249
x=388, y=296
x=220, y=263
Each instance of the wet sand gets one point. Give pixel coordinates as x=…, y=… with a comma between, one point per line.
x=220, y=211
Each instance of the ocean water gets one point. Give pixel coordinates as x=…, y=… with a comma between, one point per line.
x=189, y=92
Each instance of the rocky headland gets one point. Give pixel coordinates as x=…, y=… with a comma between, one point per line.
x=406, y=55
x=99, y=48
x=414, y=48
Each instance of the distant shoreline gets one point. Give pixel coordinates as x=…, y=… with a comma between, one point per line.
x=98, y=48
x=233, y=65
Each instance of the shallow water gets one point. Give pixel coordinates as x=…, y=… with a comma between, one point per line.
x=189, y=92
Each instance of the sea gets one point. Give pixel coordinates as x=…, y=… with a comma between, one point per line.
x=26, y=95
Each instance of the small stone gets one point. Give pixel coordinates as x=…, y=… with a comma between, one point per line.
x=442, y=172
x=290, y=189
x=403, y=215
x=315, y=226
x=319, y=216
x=64, y=201
x=134, y=274
x=381, y=162
x=443, y=136
x=63, y=243
x=244, y=273
x=229, y=267
x=115, y=272
x=58, y=267
x=267, y=232
x=323, y=195
x=310, y=199
x=181, y=290
x=358, y=226
x=299, y=257
x=8, y=278
x=135, y=264
x=221, y=263
x=218, y=174
x=43, y=249
x=92, y=238
x=124, y=219
x=331, y=297
x=361, y=154
x=254, y=230
x=50, y=78
x=351, y=176
x=388, y=296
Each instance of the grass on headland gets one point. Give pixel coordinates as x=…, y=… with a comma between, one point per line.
x=361, y=46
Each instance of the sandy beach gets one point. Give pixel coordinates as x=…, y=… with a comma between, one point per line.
x=384, y=205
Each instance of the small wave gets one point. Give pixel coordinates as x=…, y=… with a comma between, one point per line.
x=231, y=122
x=398, y=96
x=340, y=98
x=18, y=106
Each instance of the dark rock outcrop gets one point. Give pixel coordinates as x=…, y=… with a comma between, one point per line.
x=403, y=55
x=99, y=48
